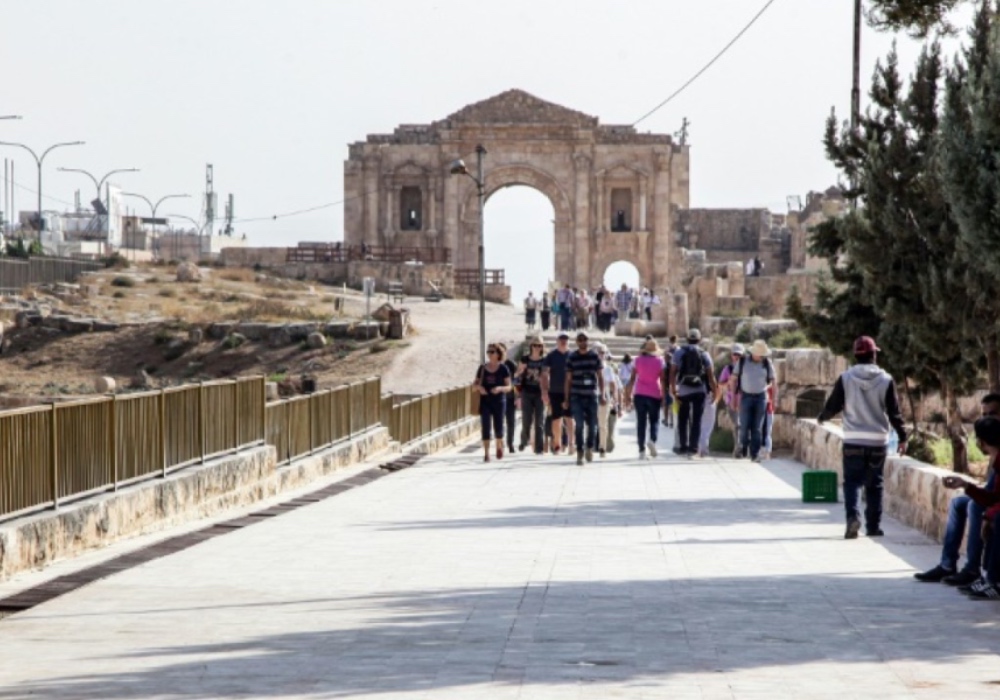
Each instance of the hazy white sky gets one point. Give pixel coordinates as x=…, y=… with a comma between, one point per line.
x=272, y=92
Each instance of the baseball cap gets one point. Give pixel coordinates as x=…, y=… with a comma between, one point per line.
x=739, y=349
x=582, y=335
x=562, y=336
x=865, y=345
x=694, y=335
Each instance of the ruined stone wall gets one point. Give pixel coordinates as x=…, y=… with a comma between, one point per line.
x=715, y=230
x=248, y=257
x=770, y=294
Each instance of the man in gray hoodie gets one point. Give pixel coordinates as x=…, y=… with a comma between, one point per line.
x=867, y=396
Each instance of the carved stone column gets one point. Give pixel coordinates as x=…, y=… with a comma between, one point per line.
x=662, y=238
x=602, y=219
x=390, y=191
x=371, y=198
x=581, y=219
x=431, y=207
x=642, y=203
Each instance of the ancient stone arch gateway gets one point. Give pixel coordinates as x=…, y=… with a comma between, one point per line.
x=614, y=191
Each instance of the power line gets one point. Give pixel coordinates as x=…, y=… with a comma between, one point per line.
x=708, y=65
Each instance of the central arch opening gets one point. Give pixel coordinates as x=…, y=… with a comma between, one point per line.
x=520, y=238
x=619, y=273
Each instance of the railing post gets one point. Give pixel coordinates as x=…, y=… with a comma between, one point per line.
x=54, y=455
x=163, y=430
x=236, y=415
x=113, y=437
x=288, y=432
x=201, y=419
x=263, y=411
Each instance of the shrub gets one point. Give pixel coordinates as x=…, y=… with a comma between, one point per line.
x=721, y=441
x=237, y=274
x=790, y=339
x=233, y=341
x=122, y=281
x=744, y=334
x=119, y=294
x=939, y=452
x=167, y=293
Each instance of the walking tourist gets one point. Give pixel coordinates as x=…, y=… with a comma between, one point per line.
x=532, y=407
x=625, y=368
x=646, y=387
x=988, y=438
x=605, y=311
x=546, y=313
x=623, y=302
x=493, y=382
x=729, y=396
x=582, y=308
x=530, y=311
x=510, y=408
x=767, y=444
x=867, y=396
x=708, y=418
x=692, y=379
x=750, y=381
x=553, y=388
x=584, y=391
x=607, y=412
x=964, y=515
x=565, y=299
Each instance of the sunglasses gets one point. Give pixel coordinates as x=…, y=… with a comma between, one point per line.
x=492, y=351
x=537, y=345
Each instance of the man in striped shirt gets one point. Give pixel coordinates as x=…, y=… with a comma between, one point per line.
x=584, y=393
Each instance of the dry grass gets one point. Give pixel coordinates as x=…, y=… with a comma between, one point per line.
x=272, y=310
x=237, y=274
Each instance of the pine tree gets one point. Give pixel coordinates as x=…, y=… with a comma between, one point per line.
x=970, y=172
x=918, y=17
x=894, y=256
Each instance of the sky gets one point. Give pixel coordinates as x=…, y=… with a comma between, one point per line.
x=271, y=93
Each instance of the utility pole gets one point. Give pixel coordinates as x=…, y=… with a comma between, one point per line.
x=856, y=88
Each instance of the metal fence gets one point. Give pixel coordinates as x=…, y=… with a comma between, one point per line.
x=70, y=450
x=391, y=254
x=16, y=274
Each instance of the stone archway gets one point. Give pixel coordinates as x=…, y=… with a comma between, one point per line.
x=614, y=190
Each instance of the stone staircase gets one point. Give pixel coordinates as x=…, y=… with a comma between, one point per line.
x=618, y=345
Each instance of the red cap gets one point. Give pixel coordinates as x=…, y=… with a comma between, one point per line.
x=865, y=345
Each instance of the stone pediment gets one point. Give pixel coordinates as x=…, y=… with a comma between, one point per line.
x=519, y=107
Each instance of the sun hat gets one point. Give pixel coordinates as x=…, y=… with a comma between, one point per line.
x=759, y=348
x=865, y=345
x=651, y=347
x=738, y=349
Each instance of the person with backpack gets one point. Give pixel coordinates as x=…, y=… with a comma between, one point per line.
x=692, y=379
x=493, y=384
x=750, y=381
x=529, y=371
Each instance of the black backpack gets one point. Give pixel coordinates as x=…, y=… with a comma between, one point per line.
x=691, y=370
x=768, y=368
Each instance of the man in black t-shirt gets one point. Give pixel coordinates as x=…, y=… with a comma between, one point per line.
x=584, y=392
x=529, y=371
x=553, y=388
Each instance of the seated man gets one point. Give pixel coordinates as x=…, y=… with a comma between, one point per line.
x=963, y=512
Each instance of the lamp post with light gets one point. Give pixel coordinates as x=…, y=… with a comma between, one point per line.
x=39, y=159
x=154, y=206
x=98, y=184
x=458, y=167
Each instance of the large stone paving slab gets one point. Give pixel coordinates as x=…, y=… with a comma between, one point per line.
x=526, y=578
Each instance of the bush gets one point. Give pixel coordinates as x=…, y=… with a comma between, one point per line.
x=940, y=453
x=122, y=281
x=167, y=293
x=119, y=294
x=233, y=341
x=722, y=441
x=744, y=334
x=117, y=261
x=790, y=339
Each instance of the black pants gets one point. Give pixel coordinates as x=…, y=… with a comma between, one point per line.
x=533, y=418
x=491, y=414
x=546, y=320
x=689, y=422
x=863, y=468
x=510, y=413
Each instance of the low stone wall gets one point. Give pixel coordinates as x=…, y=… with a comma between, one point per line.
x=189, y=494
x=914, y=494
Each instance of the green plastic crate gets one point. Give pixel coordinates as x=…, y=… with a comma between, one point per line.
x=819, y=487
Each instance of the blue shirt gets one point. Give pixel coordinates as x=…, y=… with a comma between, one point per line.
x=555, y=363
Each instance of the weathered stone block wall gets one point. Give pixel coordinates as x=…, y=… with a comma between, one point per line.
x=738, y=230
x=770, y=294
x=914, y=494
x=248, y=257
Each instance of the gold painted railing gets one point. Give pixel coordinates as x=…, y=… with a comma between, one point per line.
x=69, y=450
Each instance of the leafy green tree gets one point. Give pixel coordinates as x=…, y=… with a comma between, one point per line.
x=970, y=172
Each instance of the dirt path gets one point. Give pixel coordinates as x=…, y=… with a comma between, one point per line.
x=444, y=350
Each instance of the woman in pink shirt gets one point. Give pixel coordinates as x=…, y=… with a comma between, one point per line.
x=646, y=387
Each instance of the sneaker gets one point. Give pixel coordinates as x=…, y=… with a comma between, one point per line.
x=652, y=449
x=521, y=447
x=962, y=578
x=938, y=573
x=604, y=453
x=877, y=532
x=589, y=455
x=579, y=458
x=989, y=591
x=976, y=585
x=755, y=460
x=853, y=527
x=642, y=455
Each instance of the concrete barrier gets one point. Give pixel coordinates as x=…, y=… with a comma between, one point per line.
x=914, y=494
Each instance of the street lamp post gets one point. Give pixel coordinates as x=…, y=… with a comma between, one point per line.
x=153, y=207
x=458, y=167
x=98, y=184
x=199, y=228
x=39, y=159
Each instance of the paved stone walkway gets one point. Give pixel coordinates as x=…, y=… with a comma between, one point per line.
x=525, y=578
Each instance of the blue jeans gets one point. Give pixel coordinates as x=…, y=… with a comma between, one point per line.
x=963, y=513
x=584, y=409
x=564, y=319
x=753, y=407
x=647, y=412
x=863, y=468
x=689, y=422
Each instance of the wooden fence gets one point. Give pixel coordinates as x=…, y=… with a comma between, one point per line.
x=16, y=274
x=69, y=450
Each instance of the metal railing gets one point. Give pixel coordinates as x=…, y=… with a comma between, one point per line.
x=73, y=449
x=62, y=451
x=469, y=277
x=392, y=254
x=16, y=274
